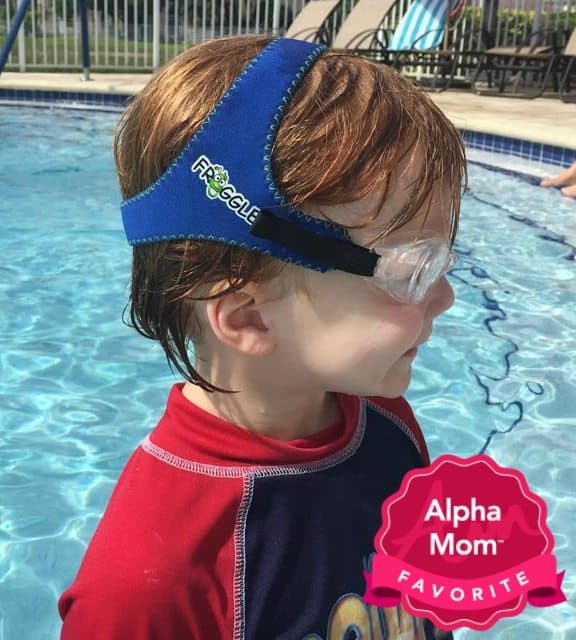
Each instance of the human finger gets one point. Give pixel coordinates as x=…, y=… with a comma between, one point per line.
x=569, y=191
x=567, y=177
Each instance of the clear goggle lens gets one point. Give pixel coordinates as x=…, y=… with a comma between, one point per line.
x=407, y=270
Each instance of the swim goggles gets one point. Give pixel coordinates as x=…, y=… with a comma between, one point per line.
x=407, y=270
x=405, y=266
x=221, y=188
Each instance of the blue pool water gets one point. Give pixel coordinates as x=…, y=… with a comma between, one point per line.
x=79, y=390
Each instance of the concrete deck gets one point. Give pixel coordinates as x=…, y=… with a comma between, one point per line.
x=546, y=120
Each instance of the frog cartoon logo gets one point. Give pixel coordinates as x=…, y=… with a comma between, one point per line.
x=218, y=187
x=217, y=182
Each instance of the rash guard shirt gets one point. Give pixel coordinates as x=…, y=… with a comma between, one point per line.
x=215, y=533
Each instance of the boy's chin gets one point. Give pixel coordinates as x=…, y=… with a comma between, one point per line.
x=395, y=384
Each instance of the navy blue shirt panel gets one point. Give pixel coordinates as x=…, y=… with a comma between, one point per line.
x=308, y=535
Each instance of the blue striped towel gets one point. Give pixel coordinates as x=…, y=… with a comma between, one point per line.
x=423, y=17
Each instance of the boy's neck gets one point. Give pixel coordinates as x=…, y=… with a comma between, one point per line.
x=281, y=416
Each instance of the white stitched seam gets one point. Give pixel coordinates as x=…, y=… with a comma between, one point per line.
x=261, y=471
x=397, y=421
x=239, y=580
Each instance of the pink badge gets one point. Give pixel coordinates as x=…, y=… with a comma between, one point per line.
x=464, y=542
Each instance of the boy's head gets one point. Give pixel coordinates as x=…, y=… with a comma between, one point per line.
x=352, y=132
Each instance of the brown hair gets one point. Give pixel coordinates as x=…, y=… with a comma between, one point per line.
x=349, y=126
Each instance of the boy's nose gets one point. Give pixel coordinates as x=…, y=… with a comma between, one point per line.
x=441, y=297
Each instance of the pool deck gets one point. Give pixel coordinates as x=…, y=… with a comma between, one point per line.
x=545, y=120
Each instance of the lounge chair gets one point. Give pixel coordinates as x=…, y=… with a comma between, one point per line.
x=523, y=71
x=309, y=24
x=568, y=61
x=423, y=26
x=428, y=35
x=360, y=32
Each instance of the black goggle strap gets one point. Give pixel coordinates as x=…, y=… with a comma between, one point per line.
x=333, y=252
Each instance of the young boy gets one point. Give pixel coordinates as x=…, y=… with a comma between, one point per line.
x=292, y=212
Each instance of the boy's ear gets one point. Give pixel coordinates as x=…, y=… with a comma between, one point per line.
x=237, y=322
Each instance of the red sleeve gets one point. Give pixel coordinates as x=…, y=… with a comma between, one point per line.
x=400, y=408
x=127, y=608
x=161, y=562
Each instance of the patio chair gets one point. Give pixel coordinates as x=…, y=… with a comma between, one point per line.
x=360, y=32
x=424, y=24
x=428, y=36
x=568, y=60
x=309, y=24
x=523, y=71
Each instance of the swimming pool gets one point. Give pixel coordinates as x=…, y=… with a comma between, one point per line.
x=79, y=390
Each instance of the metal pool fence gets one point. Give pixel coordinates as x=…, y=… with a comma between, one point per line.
x=140, y=35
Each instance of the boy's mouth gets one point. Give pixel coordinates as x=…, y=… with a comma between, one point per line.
x=411, y=353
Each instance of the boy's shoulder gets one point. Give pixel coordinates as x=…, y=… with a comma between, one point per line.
x=157, y=550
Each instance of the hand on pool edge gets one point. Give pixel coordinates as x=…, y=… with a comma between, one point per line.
x=566, y=179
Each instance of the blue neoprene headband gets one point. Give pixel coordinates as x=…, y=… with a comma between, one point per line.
x=221, y=186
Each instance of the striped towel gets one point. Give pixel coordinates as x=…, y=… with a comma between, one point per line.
x=423, y=17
